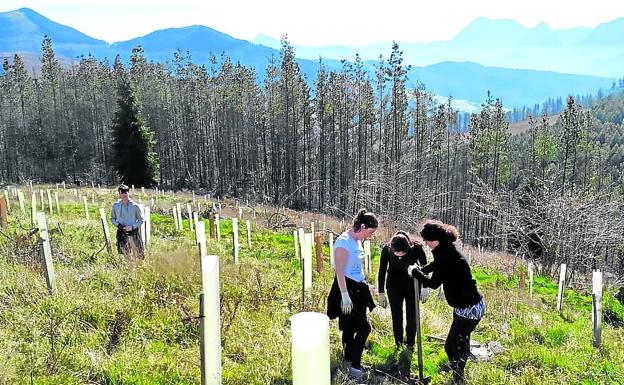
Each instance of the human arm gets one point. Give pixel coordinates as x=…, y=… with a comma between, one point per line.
x=341, y=257
x=433, y=282
x=114, y=217
x=419, y=254
x=138, y=217
x=383, y=269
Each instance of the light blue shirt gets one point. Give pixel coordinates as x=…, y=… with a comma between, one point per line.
x=354, y=268
x=127, y=214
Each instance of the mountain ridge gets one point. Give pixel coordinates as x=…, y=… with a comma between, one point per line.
x=463, y=79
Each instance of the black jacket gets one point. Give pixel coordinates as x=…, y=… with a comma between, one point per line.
x=358, y=291
x=450, y=268
x=396, y=267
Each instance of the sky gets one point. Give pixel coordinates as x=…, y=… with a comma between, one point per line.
x=315, y=22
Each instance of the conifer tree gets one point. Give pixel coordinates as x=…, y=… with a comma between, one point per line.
x=133, y=143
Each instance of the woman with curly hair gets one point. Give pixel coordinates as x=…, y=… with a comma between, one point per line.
x=450, y=269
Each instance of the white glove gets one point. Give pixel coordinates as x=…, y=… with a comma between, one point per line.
x=346, y=305
x=424, y=294
x=382, y=300
x=410, y=268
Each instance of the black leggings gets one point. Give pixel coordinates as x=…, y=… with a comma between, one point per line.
x=355, y=330
x=457, y=345
x=396, y=296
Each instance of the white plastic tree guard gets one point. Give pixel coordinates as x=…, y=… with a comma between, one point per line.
x=310, y=348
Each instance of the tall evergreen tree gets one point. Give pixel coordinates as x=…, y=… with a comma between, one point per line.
x=133, y=143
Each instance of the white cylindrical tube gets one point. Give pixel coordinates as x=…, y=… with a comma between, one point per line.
x=200, y=234
x=235, y=238
x=296, y=243
x=562, y=275
x=248, y=234
x=307, y=262
x=86, y=206
x=190, y=216
x=175, y=217
x=211, y=321
x=331, y=250
x=310, y=349
x=148, y=225
x=218, y=226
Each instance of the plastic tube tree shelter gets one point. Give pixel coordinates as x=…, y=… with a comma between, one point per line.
x=190, y=215
x=218, y=226
x=210, y=322
x=597, y=307
x=296, y=243
x=20, y=198
x=180, y=216
x=310, y=349
x=175, y=217
x=367, y=256
x=86, y=206
x=46, y=252
x=107, y=237
x=248, y=233
x=49, y=202
x=33, y=208
x=530, y=279
x=148, y=225
x=306, y=268
x=562, y=276
x=235, y=238
x=332, y=261
x=301, y=235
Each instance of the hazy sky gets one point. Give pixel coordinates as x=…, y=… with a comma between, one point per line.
x=314, y=22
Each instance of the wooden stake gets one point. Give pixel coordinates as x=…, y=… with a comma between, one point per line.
x=318, y=239
x=4, y=217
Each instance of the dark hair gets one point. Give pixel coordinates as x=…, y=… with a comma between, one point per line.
x=400, y=242
x=369, y=220
x=437, y=231
x=123, y=187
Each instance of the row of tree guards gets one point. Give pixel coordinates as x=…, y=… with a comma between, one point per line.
x=310, y=331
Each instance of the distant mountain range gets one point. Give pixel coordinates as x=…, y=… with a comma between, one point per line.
x=502, y=43
x=22, y=31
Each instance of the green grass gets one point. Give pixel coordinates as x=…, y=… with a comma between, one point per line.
x=125, y=322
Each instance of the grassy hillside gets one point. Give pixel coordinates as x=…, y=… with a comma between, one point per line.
x=127, y=322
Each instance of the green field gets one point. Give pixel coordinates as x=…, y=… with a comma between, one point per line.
x=127, y=322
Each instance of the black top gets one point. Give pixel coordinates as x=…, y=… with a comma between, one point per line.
x=450, y=268
x=397, y=266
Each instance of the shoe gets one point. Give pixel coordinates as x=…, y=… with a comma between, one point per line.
x=356, y=374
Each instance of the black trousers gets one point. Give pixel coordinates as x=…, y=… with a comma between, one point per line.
x=399, y=293
x=129, y=242
x=457, y=345
x=355, y=330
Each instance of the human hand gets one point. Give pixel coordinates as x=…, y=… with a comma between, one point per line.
x=410, y=268
x=127, y=228
x=372, y=289
x=424, y=294
x=346, y=305
x=382, y=300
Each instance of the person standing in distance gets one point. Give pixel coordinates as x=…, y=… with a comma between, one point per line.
x=399, y=253
x=126, y=216
x=350, y=294
x=450, y=268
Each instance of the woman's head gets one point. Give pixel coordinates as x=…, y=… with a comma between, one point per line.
x=400, y=243
x=364, y=224
x=435, y=232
